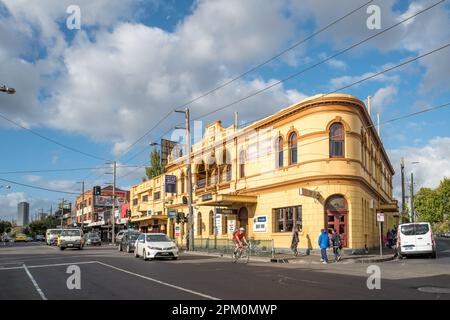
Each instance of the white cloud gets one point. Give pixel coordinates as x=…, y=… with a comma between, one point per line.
x=382, y=97
x=9, y=202
x=433, y=166
x=32, y=178
x=337, y=64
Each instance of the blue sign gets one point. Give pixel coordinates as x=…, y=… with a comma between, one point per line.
x=170, y=184
x=262, y=219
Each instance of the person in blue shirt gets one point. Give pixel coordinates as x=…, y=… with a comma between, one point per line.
x=324, y=243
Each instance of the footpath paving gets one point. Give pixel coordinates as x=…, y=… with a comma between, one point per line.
x=372, y=256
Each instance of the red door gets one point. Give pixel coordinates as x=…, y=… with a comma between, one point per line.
x=336, y=216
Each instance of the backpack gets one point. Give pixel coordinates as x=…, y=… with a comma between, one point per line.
x=337, y=240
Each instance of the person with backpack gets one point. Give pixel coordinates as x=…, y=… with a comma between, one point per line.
x=337, y=245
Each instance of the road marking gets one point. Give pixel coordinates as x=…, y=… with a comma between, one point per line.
x=34, y=283
x=50, y=265
x=160, y=282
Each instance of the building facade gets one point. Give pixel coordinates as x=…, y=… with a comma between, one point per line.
x=23, y=214
x=94, y=211
x=316, y=164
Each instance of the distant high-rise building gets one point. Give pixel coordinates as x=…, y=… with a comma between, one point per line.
x=23, y=214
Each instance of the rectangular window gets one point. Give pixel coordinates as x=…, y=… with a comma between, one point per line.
x=135, y=202
x=286, y=218
x=145, y=198
x=157, y=195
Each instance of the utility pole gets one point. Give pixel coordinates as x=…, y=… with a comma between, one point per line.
x=82, y=205
x=413, y=214
x=62, y=211
x=189, y=178
x=402, y=168
x=114, y=204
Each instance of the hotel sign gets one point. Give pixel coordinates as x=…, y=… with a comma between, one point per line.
x=207, y=197
x=308, y=193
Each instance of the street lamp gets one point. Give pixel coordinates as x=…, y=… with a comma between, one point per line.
x=413, y=213
x=113, y=218
x=7, y=90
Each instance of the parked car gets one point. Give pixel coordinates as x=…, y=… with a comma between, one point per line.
x=30, y=239
x=40, y=237
x=20, y=237
x=71, y=238
x=51, y=236
x=92, y=239
x=446, y=235
x=119, y=236
x=155, y=245
x=414, y=239
x=128, y=241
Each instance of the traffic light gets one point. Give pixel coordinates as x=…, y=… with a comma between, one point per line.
x=178, y=217
x=97, y=191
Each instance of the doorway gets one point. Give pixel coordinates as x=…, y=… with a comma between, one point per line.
x=243, y=218
x=336, y=216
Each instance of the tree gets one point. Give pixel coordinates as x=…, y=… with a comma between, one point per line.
x=40, y=226
x=155, y=168
x=433, y=205
x=5, y=226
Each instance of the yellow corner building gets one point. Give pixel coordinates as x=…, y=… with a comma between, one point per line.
x=316, y=164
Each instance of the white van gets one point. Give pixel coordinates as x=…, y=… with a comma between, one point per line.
x=51, y=236
x=415, y=238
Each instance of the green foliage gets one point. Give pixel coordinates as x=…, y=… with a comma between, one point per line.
x=40, y=226
x=433, y=205
x=155, y=168
x=5, y=226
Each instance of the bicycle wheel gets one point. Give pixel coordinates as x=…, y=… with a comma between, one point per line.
x=235, y=256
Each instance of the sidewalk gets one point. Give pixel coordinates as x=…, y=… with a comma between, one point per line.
x=314, y=257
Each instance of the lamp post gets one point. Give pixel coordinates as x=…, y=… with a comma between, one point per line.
x=413, y=213
x=189, y=178
x=7, y=90
x=82, y=204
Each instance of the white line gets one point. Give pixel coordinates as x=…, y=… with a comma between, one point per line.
x=160, y=282
x=50, y=265
x=35, y=283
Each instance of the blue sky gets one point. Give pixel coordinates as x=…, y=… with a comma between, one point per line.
x=100, y=88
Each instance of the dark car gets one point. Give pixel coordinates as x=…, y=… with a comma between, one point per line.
x=128, y=240
x=92, y=239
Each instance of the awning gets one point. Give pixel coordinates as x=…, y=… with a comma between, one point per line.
x=389, y=207
x=149, y=217
x=96, y=224
x=226, y=199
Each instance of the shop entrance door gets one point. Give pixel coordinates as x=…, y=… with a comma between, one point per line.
x=336, y=216
x=243, y=218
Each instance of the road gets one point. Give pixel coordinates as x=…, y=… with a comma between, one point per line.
x=36, y=271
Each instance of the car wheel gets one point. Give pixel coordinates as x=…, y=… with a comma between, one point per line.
x=174, y=258
x=433, y=255
x=136, y=253
x=61, y=248
x=144, y=256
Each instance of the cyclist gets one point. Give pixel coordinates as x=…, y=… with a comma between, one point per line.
x=239, y=240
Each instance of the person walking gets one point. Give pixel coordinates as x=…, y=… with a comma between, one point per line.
x=336, y=239
x=295, y=241
x=323, y=244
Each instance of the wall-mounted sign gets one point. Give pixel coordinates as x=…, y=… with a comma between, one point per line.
x=226, y=211
x=177, y=231
x=218, y=224
x=260, y=224
x=106, y=201
x=170, y=183
x=231, y=226
x=308, y=193
x=207, y=197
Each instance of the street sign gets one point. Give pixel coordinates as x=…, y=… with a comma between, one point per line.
x=171, y=213
x=380, y=217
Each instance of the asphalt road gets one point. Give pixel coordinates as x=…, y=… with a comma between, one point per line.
x=36, y=271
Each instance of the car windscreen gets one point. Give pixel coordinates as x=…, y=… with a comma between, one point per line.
x=133, y=236
x=70, y=233
x=414, y=229
x=157, y=238
x=93, y=236
x=53, y=232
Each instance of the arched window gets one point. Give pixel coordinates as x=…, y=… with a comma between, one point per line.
x=182, y=182
x=211, y=222
x=279, y=152
x=293, y=148
x=337, y=140
x=199, y=224
x=242, y=164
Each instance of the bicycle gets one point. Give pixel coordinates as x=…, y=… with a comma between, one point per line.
x=242, y=254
